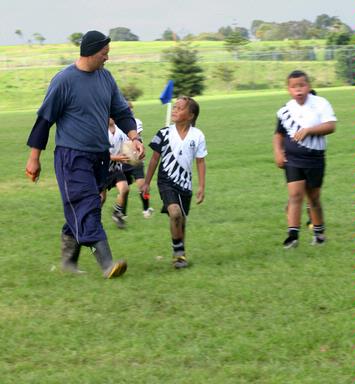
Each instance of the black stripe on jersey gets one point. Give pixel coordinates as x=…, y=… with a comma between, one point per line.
x=313, y=142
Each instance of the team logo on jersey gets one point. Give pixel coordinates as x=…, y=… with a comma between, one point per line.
x=192, y=144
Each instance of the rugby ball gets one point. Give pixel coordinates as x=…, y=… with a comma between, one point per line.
x=128, y=149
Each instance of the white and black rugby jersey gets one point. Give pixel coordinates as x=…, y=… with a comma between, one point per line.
x=177, y=156
x=292, y=117
x=116, y=139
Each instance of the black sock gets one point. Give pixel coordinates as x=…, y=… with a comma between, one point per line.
x=293, y=232
x=145, y=202
x=318, y=229
x=178, y=247
x=118, y=208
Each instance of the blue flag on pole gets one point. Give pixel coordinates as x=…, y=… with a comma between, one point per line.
x=167, y=94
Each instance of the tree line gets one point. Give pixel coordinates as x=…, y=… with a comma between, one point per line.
x=187, y=73
x=324, y=27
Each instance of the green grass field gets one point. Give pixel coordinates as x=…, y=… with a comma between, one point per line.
x=247, y=311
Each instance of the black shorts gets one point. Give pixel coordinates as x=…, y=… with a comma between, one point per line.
x=172, y=196
x=113, y=178
x=133, y=173
x=312, y=176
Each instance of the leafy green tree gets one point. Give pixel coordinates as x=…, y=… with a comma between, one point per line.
x=209, y=36
x=338, y=38
x=325, y=21
x=39, y=38
x=234, y=41
x=189, y=37
x=187, y=74
x=169, y=35
x=122, y=34
x=226, y=31
x=297, y=30
x=75, y=38
x=345, y=65
x=255, y=24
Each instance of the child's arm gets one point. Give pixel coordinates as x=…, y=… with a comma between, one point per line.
x=279, y=153
x=317, y=130
x=201, y=172
x=153, y=163
x=120, y=158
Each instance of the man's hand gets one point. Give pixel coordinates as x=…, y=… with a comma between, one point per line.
x=33, y=169
x=139, y=147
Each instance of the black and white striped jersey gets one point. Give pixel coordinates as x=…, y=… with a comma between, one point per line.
x=177, y=155
x=308, y=153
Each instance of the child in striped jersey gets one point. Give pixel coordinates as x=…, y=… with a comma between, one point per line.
x=174, y=149
x=299, y=148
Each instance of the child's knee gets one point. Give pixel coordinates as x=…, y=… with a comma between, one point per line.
x=295, y=197
x=314, y=202
x=124, y=190
x=174, y=212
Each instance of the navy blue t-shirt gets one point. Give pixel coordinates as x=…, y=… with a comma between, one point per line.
x=80, y=103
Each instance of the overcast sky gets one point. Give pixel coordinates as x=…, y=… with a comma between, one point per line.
x=148, y=19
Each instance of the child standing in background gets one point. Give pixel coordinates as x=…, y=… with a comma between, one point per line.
x=299, y=148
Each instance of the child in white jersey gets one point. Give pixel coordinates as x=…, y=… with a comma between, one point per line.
x=176, y=147
x=299, y=148
x=116, y=177
x=136, y=173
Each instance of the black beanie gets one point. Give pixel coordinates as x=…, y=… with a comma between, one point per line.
x=92, y=42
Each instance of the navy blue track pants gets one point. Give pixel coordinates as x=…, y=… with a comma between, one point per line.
x=81, y=176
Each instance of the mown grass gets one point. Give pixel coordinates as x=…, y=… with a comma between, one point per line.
x=245, y=312
x=120, y=49
x=25, y=88
x=25, y=71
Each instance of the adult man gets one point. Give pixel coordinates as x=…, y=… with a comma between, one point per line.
x=80, y=100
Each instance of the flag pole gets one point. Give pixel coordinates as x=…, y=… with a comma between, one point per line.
x=168, y=114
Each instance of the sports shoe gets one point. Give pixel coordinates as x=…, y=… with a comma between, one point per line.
x=117, y=217
x=318, y=240
x=148, y=213
x=290, y=242
x=180, y=262
x=118, y=268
